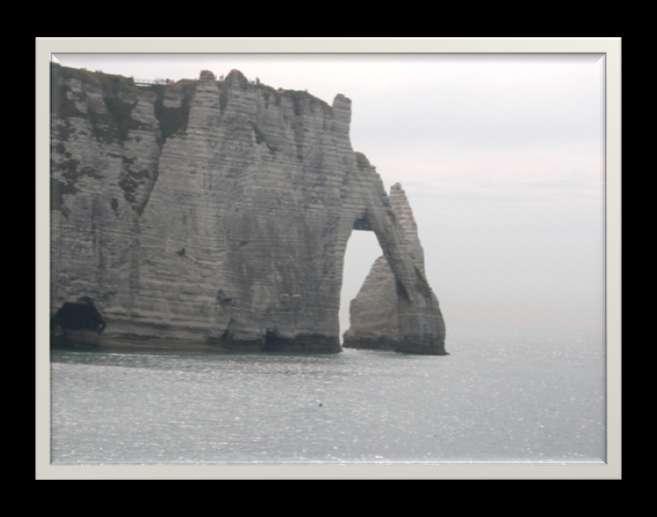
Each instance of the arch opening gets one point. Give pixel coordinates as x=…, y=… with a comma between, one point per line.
x=362, y=250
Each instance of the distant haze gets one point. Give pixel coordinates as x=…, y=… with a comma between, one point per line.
x=501, y=157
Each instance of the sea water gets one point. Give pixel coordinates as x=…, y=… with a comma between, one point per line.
x=523, y=401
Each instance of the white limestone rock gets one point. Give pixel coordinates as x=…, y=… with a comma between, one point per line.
x=217, y=212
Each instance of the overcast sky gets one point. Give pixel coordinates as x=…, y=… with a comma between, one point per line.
x=501, y=157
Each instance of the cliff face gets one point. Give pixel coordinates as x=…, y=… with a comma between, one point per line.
x=376, y=318
x=216, y=212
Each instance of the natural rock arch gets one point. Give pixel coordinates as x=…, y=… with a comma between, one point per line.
x=387, y=313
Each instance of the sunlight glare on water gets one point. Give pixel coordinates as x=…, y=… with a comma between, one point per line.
x=475, y=405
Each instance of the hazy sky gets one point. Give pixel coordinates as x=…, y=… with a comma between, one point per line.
x=501, y=157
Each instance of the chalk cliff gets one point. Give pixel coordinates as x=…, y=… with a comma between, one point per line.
x=217, y=212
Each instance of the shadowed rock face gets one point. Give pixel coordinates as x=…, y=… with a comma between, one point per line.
x=217, y=212
x=377, y=314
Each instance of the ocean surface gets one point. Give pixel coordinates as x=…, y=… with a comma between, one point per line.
x=524, y=401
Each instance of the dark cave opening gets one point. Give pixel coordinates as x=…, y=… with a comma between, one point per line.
x=273, y=341
x=79, y=315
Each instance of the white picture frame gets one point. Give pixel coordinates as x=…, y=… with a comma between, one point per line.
x=609, y=47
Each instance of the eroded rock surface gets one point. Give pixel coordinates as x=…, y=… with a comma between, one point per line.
x=217, y=212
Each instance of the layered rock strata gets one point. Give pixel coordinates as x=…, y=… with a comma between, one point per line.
x=376, y=319
x=216, y=212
